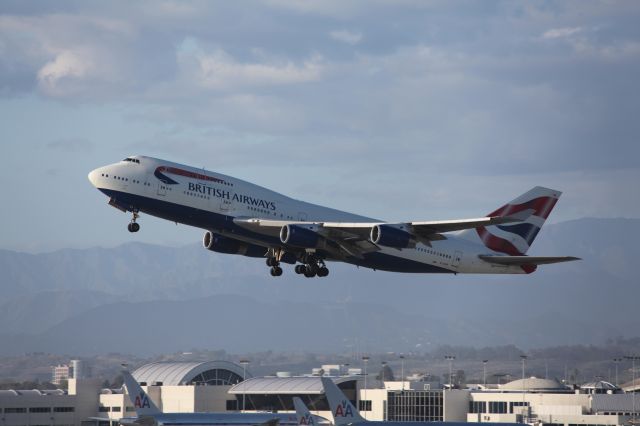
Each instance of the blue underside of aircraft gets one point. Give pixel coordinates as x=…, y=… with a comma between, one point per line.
x=215, y=222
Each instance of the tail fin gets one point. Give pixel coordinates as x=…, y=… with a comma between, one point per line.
x=342, y=410
x=143, y=405
x=302, y=413
x=515, y=238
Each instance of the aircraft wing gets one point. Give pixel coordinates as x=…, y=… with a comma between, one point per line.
x=429, y=227
x=353, y=237
x=442, y=226
x=527, y=260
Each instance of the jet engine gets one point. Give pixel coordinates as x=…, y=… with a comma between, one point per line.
x=220, y=244
x=390, y=236
x=299, y=236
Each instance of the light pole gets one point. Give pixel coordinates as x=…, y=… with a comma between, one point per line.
x=402, y=370
x=450, y=358
x=484, y=372
x=365, y=359
x=617, y=361
x=384, y=366
x=524, y=360
x=633, y=359
x=244, y=363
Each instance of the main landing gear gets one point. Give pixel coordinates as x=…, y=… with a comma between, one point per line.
x=134, y=226
x=313, y=266
x=275, y=270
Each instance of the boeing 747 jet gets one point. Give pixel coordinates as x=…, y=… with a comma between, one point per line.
x=245, y=219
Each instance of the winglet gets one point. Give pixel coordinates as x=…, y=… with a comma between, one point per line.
x=302, y=413
x=342, y=410
x=143, y=405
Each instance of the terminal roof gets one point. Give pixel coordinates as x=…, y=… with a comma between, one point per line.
x=285, y=385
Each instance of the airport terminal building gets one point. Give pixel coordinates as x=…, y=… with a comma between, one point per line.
x=218, y=386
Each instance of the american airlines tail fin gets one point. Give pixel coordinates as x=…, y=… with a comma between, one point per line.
x=302, y=413
x=515, y=239
x=143, y=405
x=342, y=410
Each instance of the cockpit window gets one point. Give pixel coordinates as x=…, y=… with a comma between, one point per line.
x=133, y=160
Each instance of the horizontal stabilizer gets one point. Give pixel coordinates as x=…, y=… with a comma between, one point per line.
x=527, y=260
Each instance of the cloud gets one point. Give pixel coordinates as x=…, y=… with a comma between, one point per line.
x=345, y=36
x=561, y=33
x=220, y=71
x=66, y=65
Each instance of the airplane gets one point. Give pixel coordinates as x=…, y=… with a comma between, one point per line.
x=148, y=413
x=245, y=219
x=303, y=415
x=345, y=414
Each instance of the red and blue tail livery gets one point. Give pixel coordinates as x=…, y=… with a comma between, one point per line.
x=245, y=219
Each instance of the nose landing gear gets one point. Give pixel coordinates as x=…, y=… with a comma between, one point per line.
x=134, y=226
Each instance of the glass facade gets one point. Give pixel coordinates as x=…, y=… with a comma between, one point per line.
x=277, y=402
x=216, y=377
x=415, y=406
x=477, y=407
x=498, y=407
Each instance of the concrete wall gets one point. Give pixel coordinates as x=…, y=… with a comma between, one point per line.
x=456, y=405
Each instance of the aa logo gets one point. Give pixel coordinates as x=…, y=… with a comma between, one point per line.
x=307, y=420
x=142, y=401
x=344, y=410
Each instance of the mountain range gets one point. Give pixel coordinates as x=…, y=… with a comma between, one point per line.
x=145, y=299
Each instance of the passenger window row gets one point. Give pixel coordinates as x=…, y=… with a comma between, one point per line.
x=126, y=179
x=428, y=251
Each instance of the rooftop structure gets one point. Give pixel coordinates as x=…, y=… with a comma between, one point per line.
x=214, y=373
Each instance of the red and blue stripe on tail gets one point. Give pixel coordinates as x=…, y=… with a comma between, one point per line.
x=515, y=239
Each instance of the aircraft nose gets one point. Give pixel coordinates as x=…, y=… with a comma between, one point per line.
x=93, y=177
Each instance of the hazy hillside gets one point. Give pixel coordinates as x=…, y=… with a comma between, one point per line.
x=129, y=295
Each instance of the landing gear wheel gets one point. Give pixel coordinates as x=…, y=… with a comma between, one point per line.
x=300, y=269
x=275, y=271
x=133, y=226
x=309, y=272
x=323, y=271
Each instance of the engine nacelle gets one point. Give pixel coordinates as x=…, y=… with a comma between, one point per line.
x=220, y=244
x=390, y=236
x=299, y=236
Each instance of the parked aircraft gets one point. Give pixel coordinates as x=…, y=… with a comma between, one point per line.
x=245, y=219
x=303, y=415
x=148, y=414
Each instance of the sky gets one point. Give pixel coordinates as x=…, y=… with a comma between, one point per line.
x=399, y=110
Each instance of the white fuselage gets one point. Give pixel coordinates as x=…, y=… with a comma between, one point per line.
x=211, y=201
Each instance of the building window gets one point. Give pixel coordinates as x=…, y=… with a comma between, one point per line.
x=103, y=409
x=216, y=377
x=497, y=407
x=517, y=404
x=232, y=405
x=129, y=409
x=116, y=409
x=421, y=406
x=39, y=409
x=13, y=410
x=64, y=409
x=477, y=407
x=364, y=405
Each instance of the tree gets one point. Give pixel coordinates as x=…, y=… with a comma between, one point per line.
x=386, y=373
